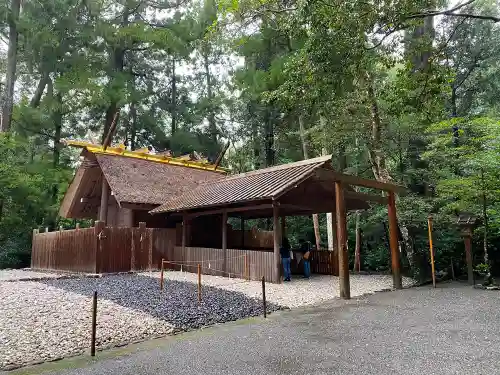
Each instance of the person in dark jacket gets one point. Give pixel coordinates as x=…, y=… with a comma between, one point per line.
x=285, y=259
x=305, y=249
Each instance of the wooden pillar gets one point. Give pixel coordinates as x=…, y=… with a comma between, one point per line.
x=100, y=248
x=224, y=241
x=345, y=288
x=184, y=224
x=283, y=228
x=103, y=211
x=468, y=255
x=242, y=229
x=277, y=241
x=393, y=242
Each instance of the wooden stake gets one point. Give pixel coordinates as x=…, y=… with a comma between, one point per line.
x=161, y=274
x=264, y=296
x=199, y=283
x=94, y=324
x=429, y=225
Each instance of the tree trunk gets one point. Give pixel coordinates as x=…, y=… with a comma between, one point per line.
x=133, y=126
x=357, y=249
x=212, y=125
x=174, y=99
x=377, y=155
x=117, y=63
x=10, y=79
x=375, y=151
x=485, y=219
x=269, y=139
x=57, y=117
x=315, y=217
x=37, y=97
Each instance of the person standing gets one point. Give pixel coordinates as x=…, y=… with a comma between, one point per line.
x=285, y=259
x=305, y=249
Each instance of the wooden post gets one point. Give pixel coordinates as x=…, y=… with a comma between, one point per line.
x=276, y=237
x=199, y=283
x=103, y=211
x=283, y=227
x=345, y=288
x=431, y=249
x=468, y=255
x=184, y=223
x=393, y=242
x=242, y=229
x=264, y=296
x=161, y=275
x=99, y=244
x=224, y=241
x=94, y=324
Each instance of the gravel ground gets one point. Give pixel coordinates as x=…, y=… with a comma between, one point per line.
x=450, y=330
x=18, y=275
x=299, y=292
x=51, y=319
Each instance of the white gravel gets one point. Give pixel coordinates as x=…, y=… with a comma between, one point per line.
x=51, y=319
x=17, y=275
x=298, y=292
x=40, y=322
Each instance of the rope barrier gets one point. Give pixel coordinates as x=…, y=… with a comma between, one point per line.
x=229, y=274
x=242, y=276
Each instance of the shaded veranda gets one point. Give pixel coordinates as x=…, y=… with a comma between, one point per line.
x=301, y=188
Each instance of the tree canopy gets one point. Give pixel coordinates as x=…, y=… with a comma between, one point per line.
x=400, y=91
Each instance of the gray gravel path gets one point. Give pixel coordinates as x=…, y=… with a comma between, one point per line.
x=51, y=319
x=449, y=330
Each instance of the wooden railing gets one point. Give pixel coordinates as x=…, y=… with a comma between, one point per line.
x=101, y=249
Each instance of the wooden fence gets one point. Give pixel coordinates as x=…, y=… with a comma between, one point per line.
x=258, y=263
x=101, y=249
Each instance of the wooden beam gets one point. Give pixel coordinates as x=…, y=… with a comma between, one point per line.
x=330, y=175
x=224, y=240
x=230, y=210
x=365, y=197
x=276, y=237
x=345, y=288
x=393, y=239
x=103, y=211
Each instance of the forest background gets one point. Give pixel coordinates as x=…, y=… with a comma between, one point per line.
x=403, y=91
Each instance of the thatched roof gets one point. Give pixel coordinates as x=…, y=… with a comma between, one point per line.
x=132, y=181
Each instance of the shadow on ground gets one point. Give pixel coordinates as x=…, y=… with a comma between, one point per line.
x=177, y=304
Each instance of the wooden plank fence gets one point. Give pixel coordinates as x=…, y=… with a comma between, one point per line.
x=259, y=263
x=101, y=249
